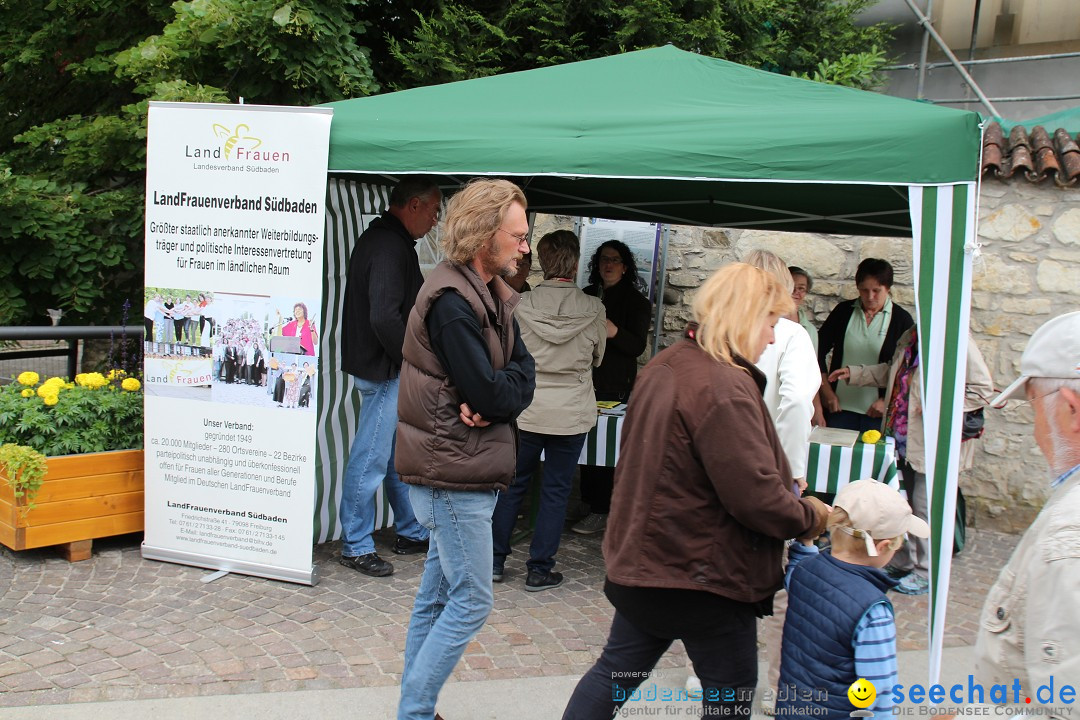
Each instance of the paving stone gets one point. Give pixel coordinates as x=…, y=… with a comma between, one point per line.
x=120, y=627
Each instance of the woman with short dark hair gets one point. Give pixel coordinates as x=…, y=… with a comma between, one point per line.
x=863, y=331
x=613, y=277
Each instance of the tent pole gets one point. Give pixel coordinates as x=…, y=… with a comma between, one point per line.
x=658, y=319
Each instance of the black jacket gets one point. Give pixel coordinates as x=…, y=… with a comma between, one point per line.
x=631, y=312
x=384, y=279
x=832, y=332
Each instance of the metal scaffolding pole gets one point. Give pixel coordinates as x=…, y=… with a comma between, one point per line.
x=986, y=61
x=920, y=90
x=929, y=27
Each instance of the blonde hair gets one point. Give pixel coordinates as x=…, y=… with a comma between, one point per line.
x=772, y=264
x=731, y=306
x=473, y=216
x=558, y=252
x=846, y=542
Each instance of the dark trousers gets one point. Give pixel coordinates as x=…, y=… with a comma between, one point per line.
x=561, y=454
x=597, y=482
x=724, y=655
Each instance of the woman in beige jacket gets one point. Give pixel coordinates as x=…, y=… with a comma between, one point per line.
x=565, y=330
x=903, y=421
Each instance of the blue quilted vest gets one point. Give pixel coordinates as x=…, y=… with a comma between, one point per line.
x=826, y=600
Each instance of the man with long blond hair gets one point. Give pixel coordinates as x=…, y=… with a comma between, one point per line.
x=465, y=378
x=701, y=507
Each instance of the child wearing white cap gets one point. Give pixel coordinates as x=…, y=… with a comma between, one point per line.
x=840, y=625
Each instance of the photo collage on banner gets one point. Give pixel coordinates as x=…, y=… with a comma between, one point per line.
x=234, y=276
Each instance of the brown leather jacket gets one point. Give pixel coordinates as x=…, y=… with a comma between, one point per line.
x=434, y=447
x=703, y=494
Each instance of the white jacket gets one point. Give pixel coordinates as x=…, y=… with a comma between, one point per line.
x=793, y=379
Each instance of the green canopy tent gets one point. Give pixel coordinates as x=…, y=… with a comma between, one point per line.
x=669, y=136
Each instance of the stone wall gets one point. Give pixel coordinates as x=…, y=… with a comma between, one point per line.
x=1028, y=271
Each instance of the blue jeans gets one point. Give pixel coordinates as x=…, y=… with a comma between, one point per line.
x=455, y=595
x=561, y=454
x=371, y=463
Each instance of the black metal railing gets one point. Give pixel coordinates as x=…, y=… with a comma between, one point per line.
x=72, y=334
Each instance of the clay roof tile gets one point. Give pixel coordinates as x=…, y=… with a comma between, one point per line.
x=1069, y=153
x=1037, y=155
x=1046, y=163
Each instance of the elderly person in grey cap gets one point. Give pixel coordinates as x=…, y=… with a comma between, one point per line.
x=1030, y=626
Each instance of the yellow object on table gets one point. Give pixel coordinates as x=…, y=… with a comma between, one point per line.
x=831, y=467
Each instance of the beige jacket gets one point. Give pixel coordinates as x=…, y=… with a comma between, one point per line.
x=565, y=331
x=978, y=391
x=1030, y=625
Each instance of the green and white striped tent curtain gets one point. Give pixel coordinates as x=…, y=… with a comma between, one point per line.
x=943, y=220
x=943, y=229
x=338, y=405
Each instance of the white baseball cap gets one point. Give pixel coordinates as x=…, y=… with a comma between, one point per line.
x=879, y=512
x=1052, y=352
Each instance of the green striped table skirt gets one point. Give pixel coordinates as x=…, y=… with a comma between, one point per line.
x=602, y=444
x=831, y=467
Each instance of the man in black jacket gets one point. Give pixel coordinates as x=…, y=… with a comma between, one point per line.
x=384, y=278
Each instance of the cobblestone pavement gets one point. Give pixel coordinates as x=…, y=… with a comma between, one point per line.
x=120, y=627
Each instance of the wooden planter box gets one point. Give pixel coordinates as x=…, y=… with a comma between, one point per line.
x=83, y=497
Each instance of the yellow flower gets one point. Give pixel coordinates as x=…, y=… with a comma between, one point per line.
x=116, y=373
x=51, y=399
x=27, y=392
x=28, y=378
x=52, y=386
x=130, y=384
x=870, y=437
x=92, y=380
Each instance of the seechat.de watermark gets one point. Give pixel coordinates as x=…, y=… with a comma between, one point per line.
x=971, y=698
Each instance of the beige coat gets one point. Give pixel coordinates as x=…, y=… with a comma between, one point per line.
x=1030, y=624
x=978, y=391
x=565, y=331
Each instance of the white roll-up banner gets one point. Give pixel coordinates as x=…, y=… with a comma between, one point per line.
x=234, y=274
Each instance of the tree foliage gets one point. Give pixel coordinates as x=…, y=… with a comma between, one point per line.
x=76, y=77
x=430, y=43
x=75, y=80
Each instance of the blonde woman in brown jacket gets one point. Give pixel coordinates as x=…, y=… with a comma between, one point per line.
x=702, y=504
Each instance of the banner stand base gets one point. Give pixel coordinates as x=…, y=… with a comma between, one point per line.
x=270, y=572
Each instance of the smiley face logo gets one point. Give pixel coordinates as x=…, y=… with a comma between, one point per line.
x=862, y=693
